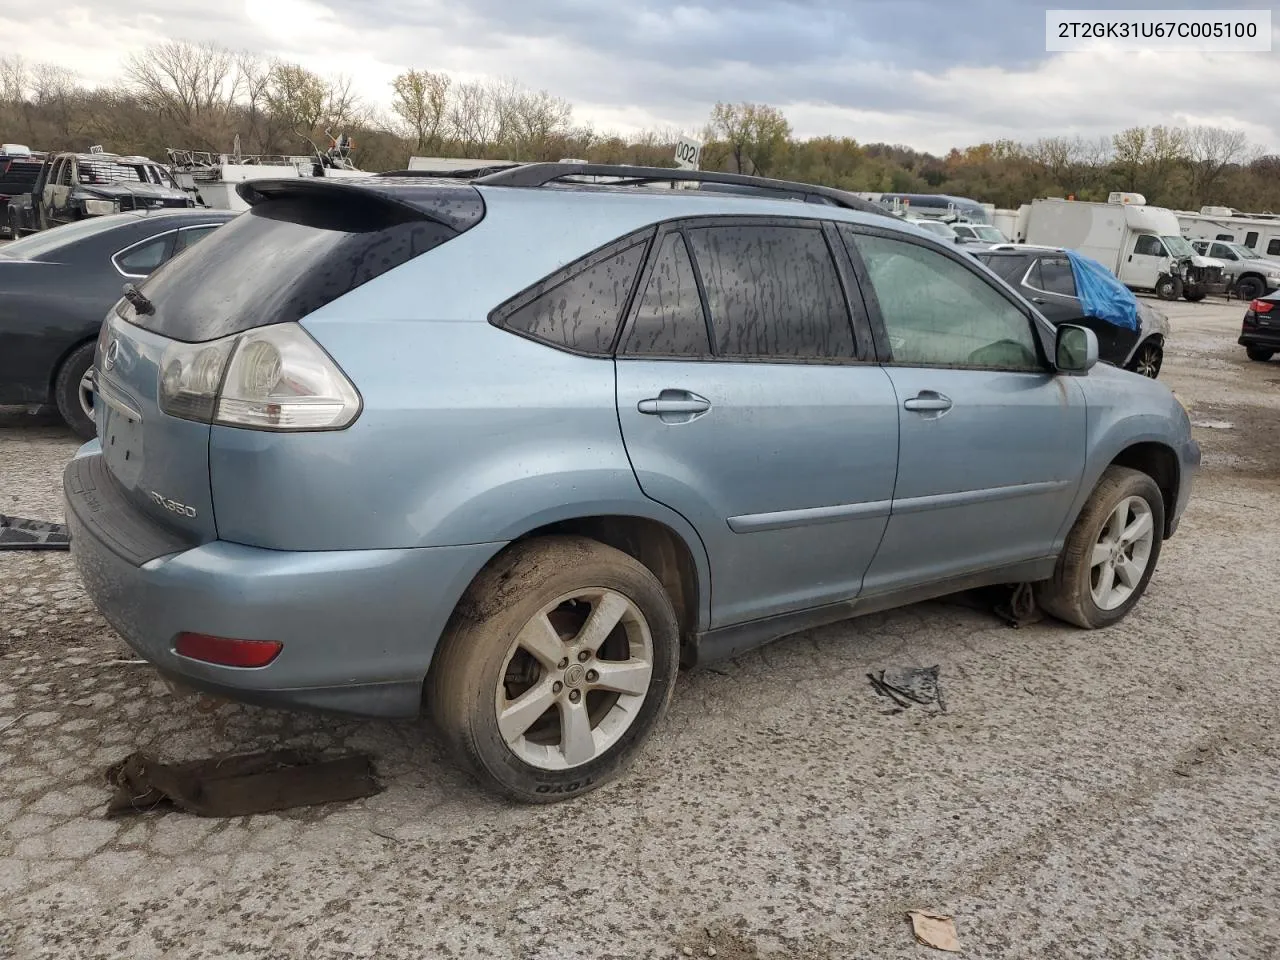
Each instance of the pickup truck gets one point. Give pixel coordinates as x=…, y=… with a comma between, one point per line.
x=19, y=170
x=73, y=186
x=1249, y=275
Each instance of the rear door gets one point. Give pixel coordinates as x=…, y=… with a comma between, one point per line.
x=750, y=403
x=992, y=441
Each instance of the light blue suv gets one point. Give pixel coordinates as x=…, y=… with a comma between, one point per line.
x=509, y=449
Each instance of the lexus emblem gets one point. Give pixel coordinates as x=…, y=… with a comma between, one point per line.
x=111, y=355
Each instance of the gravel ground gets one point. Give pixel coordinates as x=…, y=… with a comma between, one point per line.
x=1107, y=794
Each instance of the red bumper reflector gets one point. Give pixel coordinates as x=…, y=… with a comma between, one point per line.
x=227, y=652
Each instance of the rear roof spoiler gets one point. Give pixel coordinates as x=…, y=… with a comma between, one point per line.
x=452, y=203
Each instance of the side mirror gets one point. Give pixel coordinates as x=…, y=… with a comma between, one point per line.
x=1076, y=350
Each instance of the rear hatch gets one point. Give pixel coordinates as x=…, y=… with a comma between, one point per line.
x=301, y=245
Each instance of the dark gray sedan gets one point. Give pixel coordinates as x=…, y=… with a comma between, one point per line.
x=55, y=288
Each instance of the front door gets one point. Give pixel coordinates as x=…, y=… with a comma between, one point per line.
x=1144, y=265
x=992, y=441
x=765, y=421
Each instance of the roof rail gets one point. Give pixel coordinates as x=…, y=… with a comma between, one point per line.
x=540, y=174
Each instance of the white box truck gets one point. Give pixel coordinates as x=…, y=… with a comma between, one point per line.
x=1141, y=245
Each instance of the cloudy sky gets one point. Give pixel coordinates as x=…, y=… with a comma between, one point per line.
x=929, y=73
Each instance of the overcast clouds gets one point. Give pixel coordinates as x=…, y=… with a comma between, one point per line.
x=929, y=73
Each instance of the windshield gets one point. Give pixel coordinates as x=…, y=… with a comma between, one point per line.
x=1178, y=246
x=936, y=226
x=1244, y=252
x=36, y=246
x=994, y=234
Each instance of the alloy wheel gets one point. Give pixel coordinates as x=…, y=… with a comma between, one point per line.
x=85, y=393
x=1121, y=553
x=574, y=679
x=1148, y=363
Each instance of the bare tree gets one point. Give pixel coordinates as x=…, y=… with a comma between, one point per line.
x=193, y=83
x=14, y=79
x=1211, y=150
x=420, y=99
x=534, y=121
x=473, y=118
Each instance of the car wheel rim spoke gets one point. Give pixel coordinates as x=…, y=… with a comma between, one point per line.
x=1121, y=554
x=631, y=677
x=86, y=393
x=574, y=679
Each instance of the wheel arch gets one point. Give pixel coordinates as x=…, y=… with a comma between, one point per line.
x=1160, y=462
x=60, y=362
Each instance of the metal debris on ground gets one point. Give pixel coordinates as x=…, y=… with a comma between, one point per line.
x=1213, y=424
x=20, y=533
x=910, y=685
x=934, y=930
x=240, y=785
x=1020, y=608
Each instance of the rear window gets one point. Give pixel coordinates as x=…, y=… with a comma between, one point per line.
x=108, y=171
x=283, y=259
x=1010, y=269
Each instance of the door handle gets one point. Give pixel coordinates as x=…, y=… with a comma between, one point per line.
x=674, y=401
x=1039, y=300
x=927, y=401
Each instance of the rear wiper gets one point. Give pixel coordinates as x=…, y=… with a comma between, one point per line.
x=138, y=299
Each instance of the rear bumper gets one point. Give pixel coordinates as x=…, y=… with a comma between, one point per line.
x=1265, y=337
x=359, y=627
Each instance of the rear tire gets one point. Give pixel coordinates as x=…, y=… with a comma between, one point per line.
x=67, y=391
x=529, y=696
x=1169, y=288
x=1192, y=297
x=1250, y=288
x=1260, y=354
x=1110, y=553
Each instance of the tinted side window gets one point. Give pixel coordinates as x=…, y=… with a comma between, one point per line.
x=938, y=313
x=1148, y=246
x=1011, y=269
x=668, y=319
x=1221, y=252
x=1056, y=275
x=773, y=291
x=141, y=260
x=1273, y=247
x=582, y=312
x=1229, y=237
x=1251, y=239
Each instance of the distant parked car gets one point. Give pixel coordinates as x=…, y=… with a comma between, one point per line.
x=74, y=186
x=981, y=232
x=1044, y=276
x=1249, y=275
x=55, y=288
x=1260, y=331
x=508, y=450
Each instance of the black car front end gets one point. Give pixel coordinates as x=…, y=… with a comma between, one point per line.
x=120, y=198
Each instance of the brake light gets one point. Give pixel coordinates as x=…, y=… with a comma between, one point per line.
x=271, y=378
x=227, y=652
x=1261, y=306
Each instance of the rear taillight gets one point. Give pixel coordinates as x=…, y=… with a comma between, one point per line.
x=1261, y=306
x=270, y=378
x=227, y=652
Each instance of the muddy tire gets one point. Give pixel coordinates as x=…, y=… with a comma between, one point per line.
x=67, y=392
x=1259, y=354
x=1110, y=553
x=1192, y=297
x=1169, y=288
x=555, y=668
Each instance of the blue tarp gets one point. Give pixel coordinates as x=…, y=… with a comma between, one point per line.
x=1101, y=294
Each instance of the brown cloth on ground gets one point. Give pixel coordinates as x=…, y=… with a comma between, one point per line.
x=241, y=785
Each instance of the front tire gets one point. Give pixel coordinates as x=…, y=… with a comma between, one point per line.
x=1110, y=552
x=555, y=668
x=1147, y=360
x=68, y=392
x=1169, y=288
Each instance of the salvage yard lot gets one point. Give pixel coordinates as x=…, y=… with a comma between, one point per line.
x=1107, y=794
